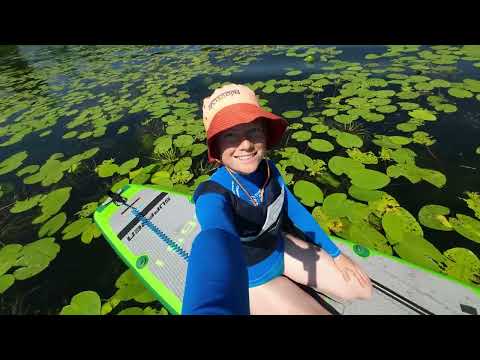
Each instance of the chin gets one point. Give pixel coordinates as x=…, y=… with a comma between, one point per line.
x=247, y=168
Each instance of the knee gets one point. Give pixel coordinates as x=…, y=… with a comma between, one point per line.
x=356, y=292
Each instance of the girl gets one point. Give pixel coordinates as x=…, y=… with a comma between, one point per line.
x=248, y=198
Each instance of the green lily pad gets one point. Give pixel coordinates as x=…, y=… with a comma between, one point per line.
x=419, y=251
x=373, y=117
x=295, y=126
x=330, y=112
x=464, y=265
x=13, y=162
x=174, y=129
x=292, y=114
x=76, y=228
x=386, y=109
x=30, y=169
x=364, y=234
x=408, y=106
x=84, y=303
x=70, y=135
x=163, y=144
x=8, y=256
x=433, y=217
x=27, y=204
x=5, y=282
x=340, y=165
x=421, y=137
x=320, y=145
x=369, y=179
x=404, y=156
x=381, y=206
x=308, y=193
x=52, y=225
x=182, y=177
x=183, y=164
x=473, y=202
x=364, y=194
x=319, y=128
x=364, y=158
x=406, y=127
x=293, y=73
x=87, y=209
x=310, y=120
x=198, y=149
x=183, y=141
x=302, y=135
x=162, y=178
x=337, y=205
x=467, y=227
x=460, y=93
x=107, y=168
x=35, y=257
x=122, y=130
x=399, y=224
x=348, y=140
x=89, y=233
x=127, y=166
x=118, y=185
x=52, y=203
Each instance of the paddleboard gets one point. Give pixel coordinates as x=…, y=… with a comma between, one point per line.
x=154, y=228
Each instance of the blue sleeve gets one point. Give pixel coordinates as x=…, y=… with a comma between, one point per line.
x=213, y=212
x=303, y=220
x=217, y=276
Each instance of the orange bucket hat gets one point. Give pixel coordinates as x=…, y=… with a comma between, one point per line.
x=233, y=105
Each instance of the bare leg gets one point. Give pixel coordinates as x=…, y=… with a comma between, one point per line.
x=309, y=265
x=281, y=296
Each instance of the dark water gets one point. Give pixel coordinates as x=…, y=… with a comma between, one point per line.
x=79, y=267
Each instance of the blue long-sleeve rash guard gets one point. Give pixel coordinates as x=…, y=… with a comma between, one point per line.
x=213, y=212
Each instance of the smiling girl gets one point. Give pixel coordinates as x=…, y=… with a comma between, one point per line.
x=248, y=198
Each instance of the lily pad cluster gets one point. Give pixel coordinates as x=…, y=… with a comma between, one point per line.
x=24, y=262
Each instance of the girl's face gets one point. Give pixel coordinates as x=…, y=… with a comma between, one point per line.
x=242, y=147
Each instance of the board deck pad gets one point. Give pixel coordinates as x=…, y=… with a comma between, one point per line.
x=399, y=287
x=174, y=215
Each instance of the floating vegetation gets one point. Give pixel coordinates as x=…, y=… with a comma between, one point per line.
x=357, y=129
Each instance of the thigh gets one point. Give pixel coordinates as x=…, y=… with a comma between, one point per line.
x=309, y=265
x=281, y=296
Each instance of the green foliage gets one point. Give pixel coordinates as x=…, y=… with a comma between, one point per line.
x=434, y=217
x=320, y=145
x=13, y=162
x=84, y=303
x=308, y=193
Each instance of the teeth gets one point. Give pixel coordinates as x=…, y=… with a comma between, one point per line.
x=244, y=157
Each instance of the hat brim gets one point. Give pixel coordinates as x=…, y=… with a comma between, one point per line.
x=238, y=114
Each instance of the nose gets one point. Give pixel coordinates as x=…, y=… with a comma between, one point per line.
x=245, y=144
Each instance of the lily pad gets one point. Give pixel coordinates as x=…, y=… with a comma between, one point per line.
x=13, y=162
x=321, y=145
x=35, y=257
x=302, y=135
x=348, y=140
x=5, y=282
x=183, y=141
x=30, y=169
x=386, y=109
x=198, y=149
x=466, y=226
x=163, y=144
x=419, y=251
x=473, y=202
x=364, y=158
x=27, y=204
x=464, y=265
x=421, y=137
x=84, y=303
x=308, y=193
x=321, y=128
x=76, y=228
x=364, y=194
x=433, y=217
x=53, y=225
x=122, y=130
x=292, y=114
x=340, y=165
x=337, y=205
x=364, y=234
x=183, y=164
x=127, y=166
x=399, y=225
x=107, y=168
x=52, y=203
x=369, y=179
x=406, y=127
x=459, y=93
x=330, y=112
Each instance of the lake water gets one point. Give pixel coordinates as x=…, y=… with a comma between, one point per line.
x=96, y=90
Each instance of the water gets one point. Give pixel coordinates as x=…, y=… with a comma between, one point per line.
x=50, y=74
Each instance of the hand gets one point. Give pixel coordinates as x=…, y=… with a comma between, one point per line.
x=348, y=267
